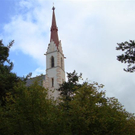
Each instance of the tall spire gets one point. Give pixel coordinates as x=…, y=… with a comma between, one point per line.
x=54, y=29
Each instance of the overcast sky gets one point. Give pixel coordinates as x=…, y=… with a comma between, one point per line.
x=89, y=31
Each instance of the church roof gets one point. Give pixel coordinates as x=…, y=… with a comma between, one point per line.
x=39, y=79
x=54, y=29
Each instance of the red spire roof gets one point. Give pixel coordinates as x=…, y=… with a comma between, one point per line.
x=54, y=29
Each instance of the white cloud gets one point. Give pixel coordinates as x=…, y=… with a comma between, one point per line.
x=30, y=32
x=38, y=72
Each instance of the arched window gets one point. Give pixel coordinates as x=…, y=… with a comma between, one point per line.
x=61, y=63
x=52, y=61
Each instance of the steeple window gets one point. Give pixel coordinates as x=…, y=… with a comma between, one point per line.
x=52, y=61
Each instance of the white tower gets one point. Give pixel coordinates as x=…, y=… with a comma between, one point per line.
x=55, y=70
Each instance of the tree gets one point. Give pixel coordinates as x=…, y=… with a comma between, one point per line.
x=128, y=56
x=89, y=111
x=7, y=78
x=68, y=88
x=30, y=112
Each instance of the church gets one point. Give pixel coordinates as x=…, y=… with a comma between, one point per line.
x=55, y=68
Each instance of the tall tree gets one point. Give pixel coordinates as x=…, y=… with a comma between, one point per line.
x=30, y=112
x=68, y=88
x=7, y=78
x=90, y=112
x=128, y=56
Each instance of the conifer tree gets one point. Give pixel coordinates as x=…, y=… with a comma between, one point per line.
x=7, y=78
x=128, y=56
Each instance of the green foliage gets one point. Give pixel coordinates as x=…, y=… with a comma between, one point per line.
x=29, y=112
x=68, y=88
x=128, y=56
x=4, y=53
x=7, y=78
x=91, y=112
x=88, y=112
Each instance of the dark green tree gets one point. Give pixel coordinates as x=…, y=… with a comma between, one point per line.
x=7, y=78
x=128, y=56
x=30, y=112
x=92, y=113
x=88, y=111
x=68, y=88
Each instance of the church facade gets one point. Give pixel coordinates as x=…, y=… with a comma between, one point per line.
x=55, y=67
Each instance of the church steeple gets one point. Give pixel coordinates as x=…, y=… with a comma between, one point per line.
x=54, y=29
x=55, y=69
